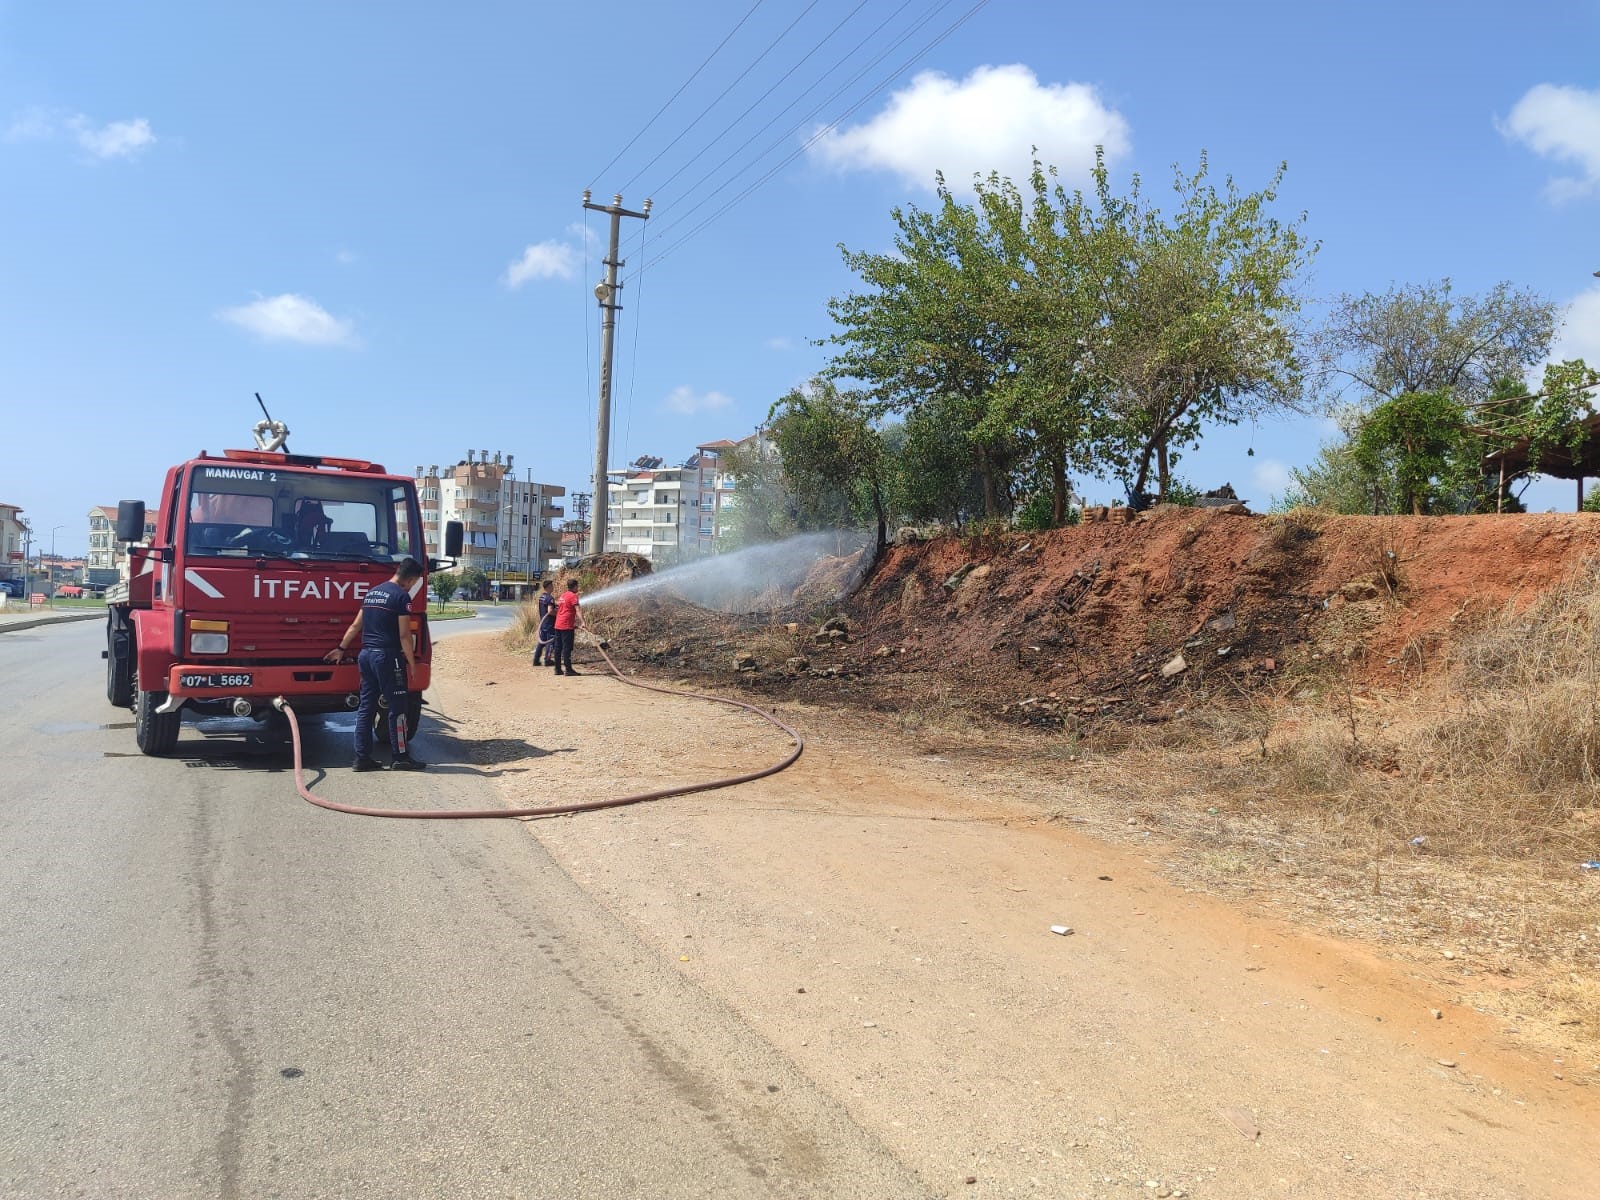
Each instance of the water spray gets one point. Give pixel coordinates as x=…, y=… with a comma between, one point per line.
x=745, y=580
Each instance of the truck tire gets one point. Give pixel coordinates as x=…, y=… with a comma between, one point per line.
x=156, y=733
x=119, y=660
x=380, y=719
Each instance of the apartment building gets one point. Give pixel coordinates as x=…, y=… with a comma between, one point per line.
x=713, y=493
x=107, y=560
x=645, y=510
x=671, y=514
x=13, y=541
x=508, y=523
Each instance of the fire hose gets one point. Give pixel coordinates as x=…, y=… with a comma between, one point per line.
x=553, y=810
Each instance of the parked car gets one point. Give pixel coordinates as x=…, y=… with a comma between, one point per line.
x=13, y=587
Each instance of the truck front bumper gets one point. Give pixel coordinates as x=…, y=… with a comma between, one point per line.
x=325, y=682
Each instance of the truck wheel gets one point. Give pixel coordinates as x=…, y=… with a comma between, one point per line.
x=119, y=661
x=156, y=733
x=380, y=719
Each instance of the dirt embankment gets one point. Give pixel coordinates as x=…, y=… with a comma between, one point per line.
x=1091, y=622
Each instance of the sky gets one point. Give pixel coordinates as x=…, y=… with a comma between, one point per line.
x=372, y=214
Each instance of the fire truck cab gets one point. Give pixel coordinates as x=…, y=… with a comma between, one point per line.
x=257, y=567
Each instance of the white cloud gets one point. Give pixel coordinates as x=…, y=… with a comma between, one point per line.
x=31, y=125
x=344, y=257
x=119, y=139
x=780, y=343
x=687, y=401
x=1271, y=478
x=1580, y=336
x=1563, y=124
x=291, y=318
x=116, y=139
x=989, y=121
x=543, y=260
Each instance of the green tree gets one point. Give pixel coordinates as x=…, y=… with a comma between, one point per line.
x=764, y=508
x=936, y=474
x=1202, y=319
x=473, y=581
x=929, y=326
x=834, y=459
x=445, y=585
x=1035, y=333
x=1057, y=256
x=1430, y=453
x=1417, y=440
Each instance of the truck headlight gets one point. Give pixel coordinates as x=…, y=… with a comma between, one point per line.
x=208, y=643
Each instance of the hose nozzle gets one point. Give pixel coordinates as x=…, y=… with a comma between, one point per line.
x=277, y=703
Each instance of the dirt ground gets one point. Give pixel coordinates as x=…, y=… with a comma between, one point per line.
x=882, y=913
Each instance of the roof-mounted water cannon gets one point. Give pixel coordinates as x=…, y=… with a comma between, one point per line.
x=271, y=436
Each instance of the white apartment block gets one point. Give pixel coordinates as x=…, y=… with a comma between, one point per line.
x=508, y=523
x=672, y=514
x=645, y=510
x=106, y=554
x=13, y=541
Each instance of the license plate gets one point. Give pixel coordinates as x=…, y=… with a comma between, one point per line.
x=216, y=679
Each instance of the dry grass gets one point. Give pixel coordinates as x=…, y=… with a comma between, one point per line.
x=775, y=644
x=941, y=722
x=1501, y=757
x=524, y=629
x=1527, y=703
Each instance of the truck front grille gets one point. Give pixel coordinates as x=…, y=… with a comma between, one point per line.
x=279, y=639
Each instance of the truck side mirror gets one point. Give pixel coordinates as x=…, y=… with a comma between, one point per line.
x=453, y=537
x=130, y=521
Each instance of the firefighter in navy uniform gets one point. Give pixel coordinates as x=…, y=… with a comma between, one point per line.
x=386, y=661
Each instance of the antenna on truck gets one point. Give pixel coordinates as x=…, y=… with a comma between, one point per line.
x=270, y=435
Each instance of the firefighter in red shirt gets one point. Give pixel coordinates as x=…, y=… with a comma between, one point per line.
x=569, y=619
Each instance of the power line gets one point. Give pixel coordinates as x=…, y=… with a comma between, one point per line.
x=771, y=46
x=783, y=138
x=633, y=367
x=813, y=87
x=812, y=140
x=693, y=76
x=777, y=83
x=826, y=129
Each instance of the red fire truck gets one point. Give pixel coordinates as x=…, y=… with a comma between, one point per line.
x=257, y=566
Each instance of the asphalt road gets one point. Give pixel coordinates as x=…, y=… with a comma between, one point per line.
x=212, y=988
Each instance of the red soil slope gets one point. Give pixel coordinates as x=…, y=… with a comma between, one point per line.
x=1080, y=622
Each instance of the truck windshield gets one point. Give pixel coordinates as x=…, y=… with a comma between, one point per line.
x=246, y=512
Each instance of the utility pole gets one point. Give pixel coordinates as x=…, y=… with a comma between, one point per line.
x=606, y=293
